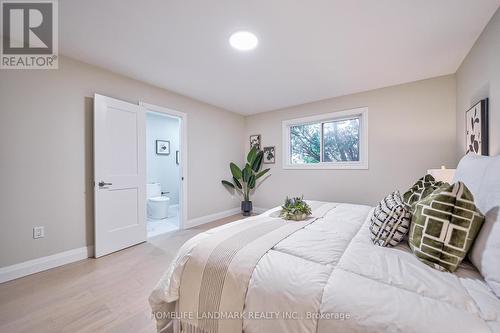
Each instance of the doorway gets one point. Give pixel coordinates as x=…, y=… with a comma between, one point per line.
x=122, y=182
x=165, y=161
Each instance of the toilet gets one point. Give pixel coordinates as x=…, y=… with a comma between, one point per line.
x=157, y=204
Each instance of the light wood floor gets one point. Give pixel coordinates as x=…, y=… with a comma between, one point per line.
x=109, y=294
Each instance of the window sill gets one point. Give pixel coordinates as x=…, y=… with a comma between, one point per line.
x=327, y=166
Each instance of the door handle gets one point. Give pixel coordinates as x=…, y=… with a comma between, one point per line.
x=102, y=184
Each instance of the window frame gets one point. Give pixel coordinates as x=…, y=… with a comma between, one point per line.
x=361, y=113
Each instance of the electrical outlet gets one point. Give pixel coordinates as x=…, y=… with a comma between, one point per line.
x=38, y=232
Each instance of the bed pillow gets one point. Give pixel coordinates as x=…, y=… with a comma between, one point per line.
x=444, y=226
x=390, y=221
x=482, y=176
x=422, y=188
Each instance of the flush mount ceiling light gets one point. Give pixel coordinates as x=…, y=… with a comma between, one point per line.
x=243, y=40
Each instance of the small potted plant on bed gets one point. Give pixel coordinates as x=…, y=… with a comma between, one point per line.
x=295, y=209
x=245, y=179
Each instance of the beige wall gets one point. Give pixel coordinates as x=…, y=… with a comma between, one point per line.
x=46, y=150
x=46, y=154
x=479, y=77
x=411, y=129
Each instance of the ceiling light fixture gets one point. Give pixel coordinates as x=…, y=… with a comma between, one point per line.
x=243, y=40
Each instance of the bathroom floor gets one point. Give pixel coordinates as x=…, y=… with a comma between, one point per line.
x=171, y=223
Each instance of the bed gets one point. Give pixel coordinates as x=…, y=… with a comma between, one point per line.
x=321, y=275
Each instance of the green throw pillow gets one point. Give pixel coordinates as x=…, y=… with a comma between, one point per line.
x=422, y=188
x=444, y=226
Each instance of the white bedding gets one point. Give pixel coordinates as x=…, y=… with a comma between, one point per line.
x=331, y=275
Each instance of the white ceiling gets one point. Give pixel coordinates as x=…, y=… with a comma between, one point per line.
x=308, y=50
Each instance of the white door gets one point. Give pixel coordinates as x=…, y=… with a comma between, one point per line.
x=119, y=175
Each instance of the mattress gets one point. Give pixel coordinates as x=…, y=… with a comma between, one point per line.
x=329, y=277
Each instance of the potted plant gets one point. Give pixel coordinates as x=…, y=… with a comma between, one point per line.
x=245, y=179
x=295, y=209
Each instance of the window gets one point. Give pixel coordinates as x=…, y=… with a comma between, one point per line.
x=330, y=141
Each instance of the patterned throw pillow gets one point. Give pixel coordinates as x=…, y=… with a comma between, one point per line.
x=390, y=221
x=444, y=226
x=422, y=188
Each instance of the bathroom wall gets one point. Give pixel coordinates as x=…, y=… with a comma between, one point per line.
x=163, y=168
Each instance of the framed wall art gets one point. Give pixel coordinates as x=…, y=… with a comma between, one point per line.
x=476, y=128
x=162, y=147
x=255, y=141
x=269, y=155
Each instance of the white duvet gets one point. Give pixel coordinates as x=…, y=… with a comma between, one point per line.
x=329, y=277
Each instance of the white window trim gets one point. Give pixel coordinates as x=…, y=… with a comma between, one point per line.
x=362, y=113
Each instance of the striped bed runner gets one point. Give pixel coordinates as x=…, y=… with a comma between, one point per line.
x=215, y=279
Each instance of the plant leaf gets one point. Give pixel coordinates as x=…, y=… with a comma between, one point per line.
x=237, y=182
x=262, y=173
x=225, y=182
x=246, y=173
x=257, y=163
x=251, y=182
x=235, y=170
x=251, y=155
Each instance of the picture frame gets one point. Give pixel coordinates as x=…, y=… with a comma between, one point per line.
x=255, y=141
x=162, y=147
x=270, y=155
x=476, y=128
x=177, y=157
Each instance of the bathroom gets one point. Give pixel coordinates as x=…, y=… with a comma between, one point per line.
x=163, y=173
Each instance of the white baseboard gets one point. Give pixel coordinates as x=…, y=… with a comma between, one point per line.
x=210, y=218
x=29, y=267
x=259, y=210
x=41, y=264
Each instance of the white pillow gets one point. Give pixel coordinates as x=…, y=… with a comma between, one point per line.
x=481, y=174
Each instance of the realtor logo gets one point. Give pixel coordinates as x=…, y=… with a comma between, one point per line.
x=29, y=34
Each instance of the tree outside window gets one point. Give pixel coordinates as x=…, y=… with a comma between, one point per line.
x=340, y=141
